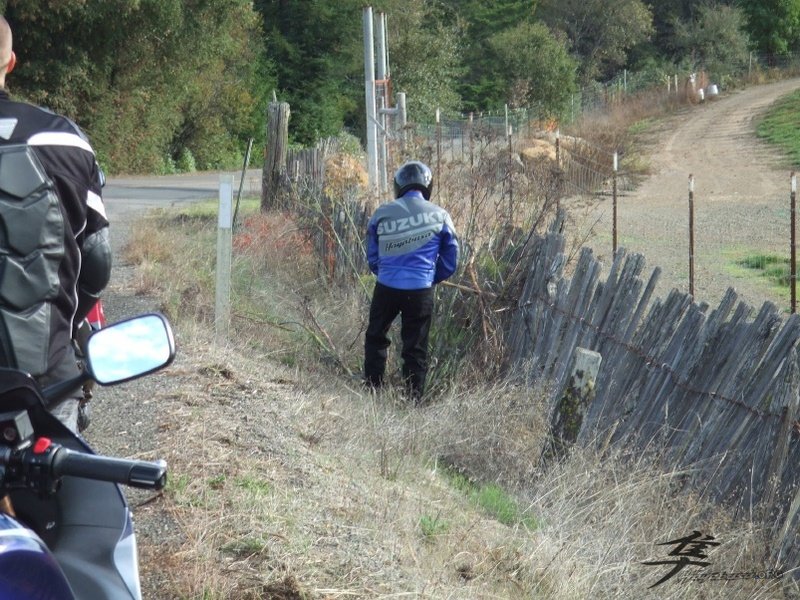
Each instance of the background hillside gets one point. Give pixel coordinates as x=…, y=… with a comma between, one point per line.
x=173, y=85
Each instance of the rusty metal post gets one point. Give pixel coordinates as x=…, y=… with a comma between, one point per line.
x=558, y=148
x=614, y=204
x=691, y=235
x=793, y=259
x=510, y=174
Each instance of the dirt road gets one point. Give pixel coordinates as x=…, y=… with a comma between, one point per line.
x=741, y=199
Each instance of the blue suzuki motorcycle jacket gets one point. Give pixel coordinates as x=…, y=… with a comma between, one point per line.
x=411, y=243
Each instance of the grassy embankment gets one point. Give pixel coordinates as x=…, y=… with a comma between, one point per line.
x=780, y=127
x=302, y=486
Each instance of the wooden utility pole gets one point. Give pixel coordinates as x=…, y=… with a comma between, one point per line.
x=274, y=179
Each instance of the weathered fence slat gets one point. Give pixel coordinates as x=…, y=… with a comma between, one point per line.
x=711, y=390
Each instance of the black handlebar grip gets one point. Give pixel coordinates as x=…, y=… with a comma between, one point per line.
x=135, y=473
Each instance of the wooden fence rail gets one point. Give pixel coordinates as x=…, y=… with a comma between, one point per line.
x=710, y=391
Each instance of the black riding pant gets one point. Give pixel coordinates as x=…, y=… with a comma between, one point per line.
x=415, y=308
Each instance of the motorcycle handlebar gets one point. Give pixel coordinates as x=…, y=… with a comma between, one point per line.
x=135, y=473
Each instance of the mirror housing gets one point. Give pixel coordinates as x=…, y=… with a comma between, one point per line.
x=129, y=349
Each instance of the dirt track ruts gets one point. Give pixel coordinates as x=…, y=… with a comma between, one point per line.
x=741, y=198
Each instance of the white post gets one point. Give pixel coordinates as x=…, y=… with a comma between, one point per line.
x=383, y=103
x=381, y=42
x=222, y=311
x=369, y=91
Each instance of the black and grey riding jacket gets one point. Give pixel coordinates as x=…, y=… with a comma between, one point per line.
x=55, y=257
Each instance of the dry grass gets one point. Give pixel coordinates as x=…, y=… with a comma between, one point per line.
x=300, y=485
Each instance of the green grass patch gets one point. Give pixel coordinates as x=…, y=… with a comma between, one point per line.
x=432, y=526
x=775, y=268
x=781, y=126
x=493, y=499
x=254, y=485
x=641, y=126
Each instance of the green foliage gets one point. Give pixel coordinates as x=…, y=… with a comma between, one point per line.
x=185, y=162
x=781, y=126
x=432, y=526
x=145, y=78
x=316, y=47
x=775, y=268
x=483, y=84
x=426, y=57
x=491, y=498
x=536, y=68
x=716, y=39
x=601, y=33
x=774, y=25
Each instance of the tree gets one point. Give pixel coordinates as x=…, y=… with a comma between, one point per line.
x=316, y=47
x=536, y=68
x=482, y=85
x=425, y=54
x=774, y=25
x=147, y=79
x=601, y=33
x=715, y=39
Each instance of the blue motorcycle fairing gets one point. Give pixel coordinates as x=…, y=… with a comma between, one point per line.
x=87, y=524
x=27, y=568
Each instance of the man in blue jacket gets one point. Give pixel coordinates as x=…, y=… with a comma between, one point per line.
x=411, y=246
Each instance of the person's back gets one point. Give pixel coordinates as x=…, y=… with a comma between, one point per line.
x=411, y=246
x=63, y=271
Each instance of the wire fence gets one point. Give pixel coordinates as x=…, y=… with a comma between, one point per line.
x=714, y=390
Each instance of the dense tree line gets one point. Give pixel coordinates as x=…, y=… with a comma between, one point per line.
x=172, y=84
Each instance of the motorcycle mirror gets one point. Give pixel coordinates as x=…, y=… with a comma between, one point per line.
x=130, y=348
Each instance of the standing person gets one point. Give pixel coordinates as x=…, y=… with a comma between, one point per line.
x=411, y=246
x=54, y=269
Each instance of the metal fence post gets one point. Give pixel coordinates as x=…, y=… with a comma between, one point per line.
x=558, y=148
x=438, y=144
x=614, y=203
x=222, y=311
x=691, y=235
x=793, y=254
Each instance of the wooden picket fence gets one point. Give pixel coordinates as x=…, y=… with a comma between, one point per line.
x=336, y=225
x=714, y=392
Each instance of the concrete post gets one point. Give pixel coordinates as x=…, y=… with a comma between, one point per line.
x=567, y=418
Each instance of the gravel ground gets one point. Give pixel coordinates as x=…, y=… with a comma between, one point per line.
x=125, y=417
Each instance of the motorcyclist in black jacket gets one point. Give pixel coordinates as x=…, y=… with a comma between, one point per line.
x=61, y=267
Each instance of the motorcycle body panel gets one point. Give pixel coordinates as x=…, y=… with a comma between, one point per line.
x=27, y=568
x=86, y=526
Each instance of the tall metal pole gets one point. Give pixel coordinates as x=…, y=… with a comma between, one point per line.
x=369, y=92
x=691, y=235
x=222, y=303
x=383, y=103
x=403, y=119
x=793, y=259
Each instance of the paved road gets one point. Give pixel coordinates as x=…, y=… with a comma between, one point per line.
x=126, y=195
